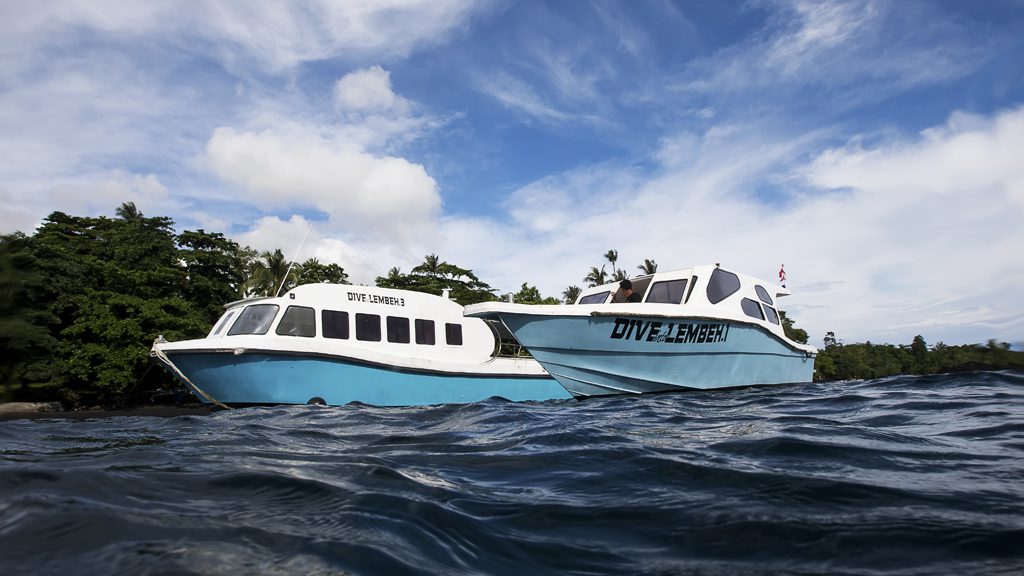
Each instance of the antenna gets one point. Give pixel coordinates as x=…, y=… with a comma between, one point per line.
x=292, y=261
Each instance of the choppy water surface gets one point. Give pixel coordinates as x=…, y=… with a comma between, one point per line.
x=910, y=475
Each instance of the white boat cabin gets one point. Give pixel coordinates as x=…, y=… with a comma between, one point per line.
x=701, y=291
x=328, y=317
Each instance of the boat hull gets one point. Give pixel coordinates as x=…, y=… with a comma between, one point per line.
x=607, y=355
x=280, y=378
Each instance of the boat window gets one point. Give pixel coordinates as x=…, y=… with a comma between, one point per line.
x=297, y=321
x=453, y=334
x=425, y=332
x=368, y=327
x=255, y=319
x=693, y=282
x=763, y=295
x=752, y=308
x=773, y=316
x=223, y=321
x=398, y=329
x=335, y=324
x=670, y=292
x=722, y=285
x=598, y=298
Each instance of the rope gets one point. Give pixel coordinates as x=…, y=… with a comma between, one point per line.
x=161, y=356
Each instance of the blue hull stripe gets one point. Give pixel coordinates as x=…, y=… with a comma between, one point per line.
x=268, y=378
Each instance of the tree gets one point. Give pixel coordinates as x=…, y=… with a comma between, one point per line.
x=271, y=274
x=596, y=277
x=830, y=339
x=112, y=286
x=531, y=295
x=215, y=270
x=648, y=267
x=25, y=340
x=613, y=257
x=434, y=275
x=793, y=333
x=571, y=294
x=128, y=211
x=620, y=275
x=431, y=266
x=313, y=272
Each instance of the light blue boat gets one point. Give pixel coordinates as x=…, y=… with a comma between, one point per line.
x=335, y=344
x=698, y=328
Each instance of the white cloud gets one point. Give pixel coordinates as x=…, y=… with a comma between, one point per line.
x=367, y=90
x=280, y=35
x=299, y=239
x=360, y=192
x=923, y=236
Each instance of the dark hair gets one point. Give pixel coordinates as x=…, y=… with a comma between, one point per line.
x=626, y=285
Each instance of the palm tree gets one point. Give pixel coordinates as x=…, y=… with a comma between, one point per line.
x=571, y=293
x=620, y=275
x=648, y=267
x=271, y=273
x=432, y=266
x=613, y=257
x=128, y=211
x=596, y=277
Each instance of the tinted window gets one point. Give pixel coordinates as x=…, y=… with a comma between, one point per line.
x=398, y=330
x=772, y=316
x=425, y=332
x=763, y=295
x=335, y=324
x=722, y=285
x=453, y=334
x=224, y=322
x=693, y=282
x=670, y=292
x=255, y=319
x=598, y=298
x=298, y=321
x=752, y=308
x=368, y=327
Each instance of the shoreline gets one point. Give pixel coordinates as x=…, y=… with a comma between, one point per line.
x=33, y=411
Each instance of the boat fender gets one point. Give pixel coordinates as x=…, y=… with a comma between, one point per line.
x=316, y=401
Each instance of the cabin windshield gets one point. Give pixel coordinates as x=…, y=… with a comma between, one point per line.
x=255, y=319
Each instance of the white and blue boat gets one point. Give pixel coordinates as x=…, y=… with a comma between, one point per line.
x=698, y=328
x=335, y=344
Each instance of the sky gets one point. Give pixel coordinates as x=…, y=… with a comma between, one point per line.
x=873, y=147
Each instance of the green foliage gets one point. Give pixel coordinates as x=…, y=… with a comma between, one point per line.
x=596, y=277
x=531, y=295
x=570, y=294
x=313, y=272
x=434, y=275
x=24, y=318
x=214, y=270
x=838, y=361
x=105, y=288
x=270, y=275
x=648, y=267
x=793, y=333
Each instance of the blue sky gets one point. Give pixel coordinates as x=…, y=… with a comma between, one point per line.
x=874, y=147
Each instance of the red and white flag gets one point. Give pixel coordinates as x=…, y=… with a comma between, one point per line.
x=782, y=275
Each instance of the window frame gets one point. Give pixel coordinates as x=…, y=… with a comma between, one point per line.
x=426, y=332
x=398, y=330
x=363, y=322
x=346, y=331
x=453, y=331
x=297, y=310
x=265, y=323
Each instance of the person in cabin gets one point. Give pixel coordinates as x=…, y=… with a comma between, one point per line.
x=625, y=293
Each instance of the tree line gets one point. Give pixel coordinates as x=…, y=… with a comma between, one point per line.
x=82, y=299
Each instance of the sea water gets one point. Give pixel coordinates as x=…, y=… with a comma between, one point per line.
x=906, y=475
